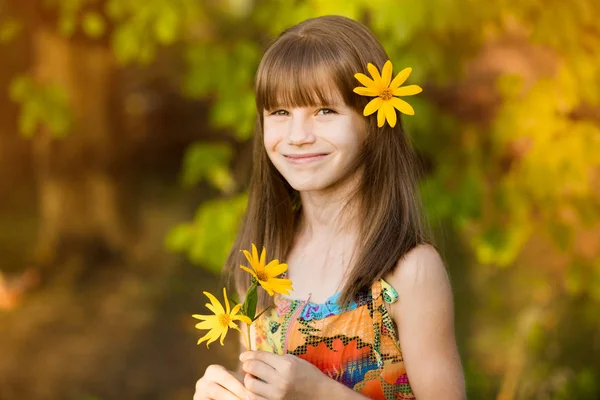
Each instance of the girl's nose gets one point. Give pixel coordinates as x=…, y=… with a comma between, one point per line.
x=300, y=131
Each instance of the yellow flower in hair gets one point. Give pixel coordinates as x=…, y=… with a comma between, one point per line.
x=223, y=319
x=384, y=89
x=266, y=274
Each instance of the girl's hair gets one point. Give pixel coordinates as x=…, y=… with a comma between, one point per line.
x=310, y=64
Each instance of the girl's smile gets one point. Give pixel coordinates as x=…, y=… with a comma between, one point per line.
x=313, y=147
x=303, y=159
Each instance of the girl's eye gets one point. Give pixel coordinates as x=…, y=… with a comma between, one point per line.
x=326, y=111
x=279, y=112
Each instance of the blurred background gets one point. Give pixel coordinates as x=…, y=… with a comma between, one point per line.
x=125, y=131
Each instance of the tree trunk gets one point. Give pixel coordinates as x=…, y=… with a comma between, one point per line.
x=81, y=194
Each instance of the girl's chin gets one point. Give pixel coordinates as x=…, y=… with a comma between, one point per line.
x=306, y=186
x=309, y=186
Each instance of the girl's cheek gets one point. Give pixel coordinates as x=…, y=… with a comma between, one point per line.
x=272, y=136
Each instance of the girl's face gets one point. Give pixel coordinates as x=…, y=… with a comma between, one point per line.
x=313, y=147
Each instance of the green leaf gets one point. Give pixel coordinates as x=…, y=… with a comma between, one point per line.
x=9, y=29
x=116, y=9
x=250, y=302
x=21, y=88
x=208, y=161
x=208, y=239
x=125, y=44
x=166, y=25
x=178, y=239
x=45, y=104
x=67, y=25
x=28, y=118
x=93, y=25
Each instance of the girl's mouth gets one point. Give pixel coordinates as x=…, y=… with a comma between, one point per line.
x=303, y=159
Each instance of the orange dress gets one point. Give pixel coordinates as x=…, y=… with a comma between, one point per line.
x=356, y=346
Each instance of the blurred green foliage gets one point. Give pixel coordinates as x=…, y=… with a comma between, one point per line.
x=9, y=29
x=526, y=172
x=216, y=222
x=208, y=162
x=41, y=104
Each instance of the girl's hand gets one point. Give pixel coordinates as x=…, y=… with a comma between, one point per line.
x=285, y=376
x=219, y=384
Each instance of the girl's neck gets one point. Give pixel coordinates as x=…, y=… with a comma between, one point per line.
x=330, y=212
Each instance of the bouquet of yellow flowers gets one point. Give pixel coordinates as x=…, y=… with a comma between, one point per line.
x=263, y=275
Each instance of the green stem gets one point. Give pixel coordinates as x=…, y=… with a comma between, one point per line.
x=248, y=340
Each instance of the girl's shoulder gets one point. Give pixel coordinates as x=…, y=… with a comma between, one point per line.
x=423, y=288
x=419, y=263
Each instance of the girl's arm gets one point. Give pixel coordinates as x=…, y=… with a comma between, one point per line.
x=424, y=315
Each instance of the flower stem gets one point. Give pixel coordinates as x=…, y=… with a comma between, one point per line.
x=249, y=344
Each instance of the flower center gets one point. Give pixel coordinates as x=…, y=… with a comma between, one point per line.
x=224, y=320
x=262, y=276
x=386, y=94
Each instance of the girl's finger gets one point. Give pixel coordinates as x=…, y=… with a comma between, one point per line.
x=276, y=361
x=260, y=390
x=223, y=378
x=215, y=391
x=260, y=370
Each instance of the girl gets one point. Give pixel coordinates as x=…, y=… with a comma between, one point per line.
x=333, y=194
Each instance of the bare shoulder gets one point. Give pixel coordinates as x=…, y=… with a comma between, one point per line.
x=424, y=317
x=419, y=269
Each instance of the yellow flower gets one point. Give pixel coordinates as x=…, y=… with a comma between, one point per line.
x=266, y=275
x=219, y=323
x=383, y=88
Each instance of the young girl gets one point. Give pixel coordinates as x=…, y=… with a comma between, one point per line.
x=333, y=194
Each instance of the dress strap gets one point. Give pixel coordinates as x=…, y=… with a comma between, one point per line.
x=382, y=292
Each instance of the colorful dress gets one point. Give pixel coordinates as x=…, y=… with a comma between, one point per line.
x=356, y=346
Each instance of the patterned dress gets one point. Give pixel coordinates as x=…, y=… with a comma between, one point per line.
x=356, y=346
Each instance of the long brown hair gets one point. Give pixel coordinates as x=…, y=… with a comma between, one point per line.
x=307, y=65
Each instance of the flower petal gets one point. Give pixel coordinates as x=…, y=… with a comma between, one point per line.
x=235, y=309
x=282, y=286
x=363, y=91
x=225, y=330
x=400, y=78
x=274, y=269
x=390, y=113
x=375, y=74
x=218, y=308
x=245, y=319
x=267, y=287
x=402, y=106
x=211, y=336
x=407, y=90
x=248, y=270
x=386, y=74
x=207, y=324
x=226, y=300
x=232, y=324
x=254, y=255
x=365, y=80
x=245, y=337
x=373, y=106
x=213, y=309
x=380, y=116
x=263, y=256
x=248, y=257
